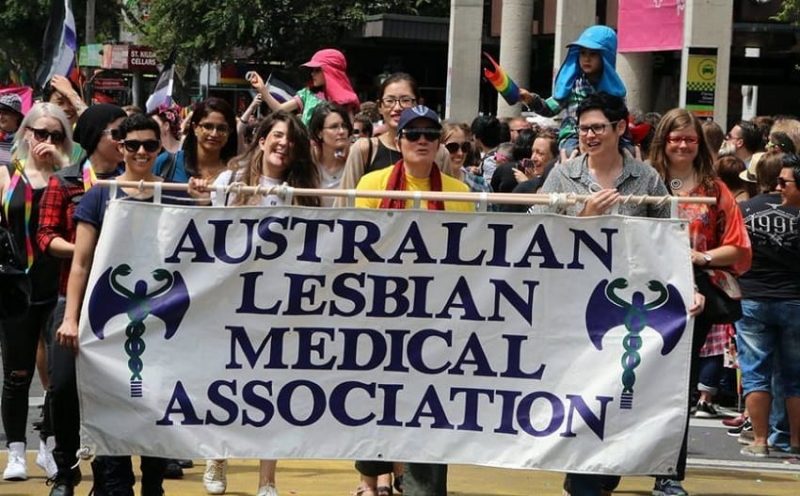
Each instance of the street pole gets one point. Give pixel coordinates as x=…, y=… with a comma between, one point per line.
x=90, y=30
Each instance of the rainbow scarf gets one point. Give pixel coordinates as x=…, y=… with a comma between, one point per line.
x=501, y=82
x=19, y=175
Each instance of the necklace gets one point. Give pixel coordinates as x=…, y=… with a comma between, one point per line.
x=676, y=183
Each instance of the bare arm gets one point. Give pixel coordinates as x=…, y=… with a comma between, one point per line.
x=272, y=103
x=85, y=242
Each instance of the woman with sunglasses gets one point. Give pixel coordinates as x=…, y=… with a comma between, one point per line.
x=210, y=142
x=457, y=139
x=330, y=130
x=719, y=242
x=397, y=92
x=139, y=144
x=329, y=83
x=43, y=145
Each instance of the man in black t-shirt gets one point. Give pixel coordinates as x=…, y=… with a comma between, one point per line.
x=770, y=326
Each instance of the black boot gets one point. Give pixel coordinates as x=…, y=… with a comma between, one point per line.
x=66, y=478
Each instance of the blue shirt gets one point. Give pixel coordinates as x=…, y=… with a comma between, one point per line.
x=180, y=175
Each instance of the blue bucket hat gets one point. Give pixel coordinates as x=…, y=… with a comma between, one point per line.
x=603, y=39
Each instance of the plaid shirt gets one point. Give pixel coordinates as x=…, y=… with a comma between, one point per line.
x=56, y=209
x=567, y=107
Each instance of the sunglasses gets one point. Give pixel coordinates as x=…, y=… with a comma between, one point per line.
x=210, y=128
x=41, y=135
x=454, y=147
x=783, y=182
x=416, y=134
x=150, y=146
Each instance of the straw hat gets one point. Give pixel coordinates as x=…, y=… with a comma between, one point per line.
x=751, y=173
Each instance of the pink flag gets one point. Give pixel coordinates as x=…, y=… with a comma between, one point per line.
x=650, y=25
x=24, y=92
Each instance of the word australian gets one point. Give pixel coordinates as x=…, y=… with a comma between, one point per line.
x=352, y=241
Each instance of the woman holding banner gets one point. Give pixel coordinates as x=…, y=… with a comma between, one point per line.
x=43, y=144
x=719, y=242
x=418, y=139
x=280, y=153
x=139, y=144
x=606, y=173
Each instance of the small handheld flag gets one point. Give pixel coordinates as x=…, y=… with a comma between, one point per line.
x=501, y=82
x=60, y=44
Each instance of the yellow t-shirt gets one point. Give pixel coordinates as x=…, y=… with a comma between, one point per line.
x=377, y=180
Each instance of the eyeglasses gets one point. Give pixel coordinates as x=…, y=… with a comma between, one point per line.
x=783, y=182
x=729, y=136
x=416, y=134
x=404, y=101
x=336, y=127
x=689, y=140
x=597, y=129
x=210, y=128
x=150, y=146
x=454, y=147
x=41, y=135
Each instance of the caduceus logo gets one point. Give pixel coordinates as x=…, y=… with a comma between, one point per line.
x=109, y=298
x=666, y=314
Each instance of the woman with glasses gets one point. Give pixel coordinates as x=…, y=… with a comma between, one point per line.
x=330, y=130
x=719, y=243
x=210, y=142
x=329, y=82
x=42, y=145
x=397, y=93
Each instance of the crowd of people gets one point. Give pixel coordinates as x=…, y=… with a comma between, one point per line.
x=744, y=249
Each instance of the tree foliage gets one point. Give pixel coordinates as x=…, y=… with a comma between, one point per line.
x=22, y=26
x=285, y=30
x=789, y=12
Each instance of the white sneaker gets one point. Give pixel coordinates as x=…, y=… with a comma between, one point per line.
x=44, y=458
x=17, y=468
x=268, y=490
x=214, y=478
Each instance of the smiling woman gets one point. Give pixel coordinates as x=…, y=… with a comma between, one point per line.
x=209, y=144
x=280, y=153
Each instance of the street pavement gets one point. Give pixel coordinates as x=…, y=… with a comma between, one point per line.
x=715, y=469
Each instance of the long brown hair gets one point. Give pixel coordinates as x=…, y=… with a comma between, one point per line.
x=673, y=120
x=301, y=173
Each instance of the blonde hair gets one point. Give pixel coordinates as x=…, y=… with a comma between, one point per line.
x=36, y=112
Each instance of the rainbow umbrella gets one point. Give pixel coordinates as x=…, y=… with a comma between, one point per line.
x=501, y=82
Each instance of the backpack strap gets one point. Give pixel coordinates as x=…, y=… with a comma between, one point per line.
x=168, y=172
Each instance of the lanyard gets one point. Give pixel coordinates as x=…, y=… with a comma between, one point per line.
x=19, y=175
x=89, y=176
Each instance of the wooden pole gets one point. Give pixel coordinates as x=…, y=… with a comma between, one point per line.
x=505, y=198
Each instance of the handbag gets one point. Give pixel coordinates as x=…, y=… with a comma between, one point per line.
x=15, y=284
x=722, y=294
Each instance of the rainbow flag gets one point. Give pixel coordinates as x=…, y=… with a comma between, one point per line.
x=501, y=82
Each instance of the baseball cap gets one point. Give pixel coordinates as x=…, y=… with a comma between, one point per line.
x=418, y=112
x=12, y=102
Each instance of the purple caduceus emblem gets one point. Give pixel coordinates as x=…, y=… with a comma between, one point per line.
x=665, y=314
x=169, y=302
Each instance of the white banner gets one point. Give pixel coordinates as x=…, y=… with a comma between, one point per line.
x=493, y=339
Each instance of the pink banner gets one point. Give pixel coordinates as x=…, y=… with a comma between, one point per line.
x=650, y=25
x=24, y=92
